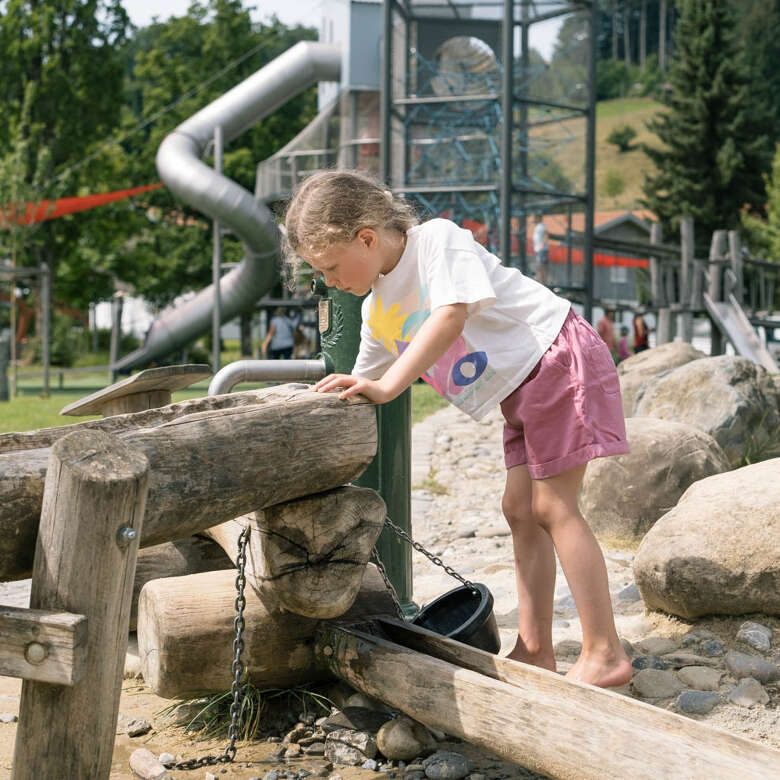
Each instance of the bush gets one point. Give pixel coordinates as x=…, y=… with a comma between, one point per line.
x=613, y=79
x=63, y=345
x=614, y=183
x=622, y=137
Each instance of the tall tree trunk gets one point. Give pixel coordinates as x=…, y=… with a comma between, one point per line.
x=627, y=32
x=662, y=35
x=614, y=30
x=643, y=34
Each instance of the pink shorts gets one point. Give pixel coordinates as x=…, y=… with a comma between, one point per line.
x=568, y=410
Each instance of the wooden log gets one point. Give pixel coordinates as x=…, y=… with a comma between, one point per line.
x=45, y=437
x=519, y=711
x=311, y=551
x=94, y=503
x=37, y=644
x=192, y=555
x=185, y=633
x=209, y=467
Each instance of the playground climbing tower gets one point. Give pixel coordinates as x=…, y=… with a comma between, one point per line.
x=451, y=72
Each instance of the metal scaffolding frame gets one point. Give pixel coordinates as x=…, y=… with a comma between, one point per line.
x=443, y=139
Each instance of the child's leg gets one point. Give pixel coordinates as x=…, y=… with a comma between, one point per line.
x=535, y=573
x=603, y=661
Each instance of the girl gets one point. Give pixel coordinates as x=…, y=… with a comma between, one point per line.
x=444, y=308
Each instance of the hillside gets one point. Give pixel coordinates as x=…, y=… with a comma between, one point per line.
x=566, y=141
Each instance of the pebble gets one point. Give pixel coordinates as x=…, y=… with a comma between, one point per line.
x=748, y=693
x=656, y=684
x=137, y=727
x=711, y=648
x=345, y=746
x=696, y=635
x=272, y=775
x=369, y=763
x=446, y=765
x=697, y=702
x=656, y=645
x=649, y=662
x=629, y=593
x=743, y=665
x=404, y=739
x=167, y=759
x=758, y=636
x=678, y=660
x=8, y=717
x=146, y=766
x=700, y=678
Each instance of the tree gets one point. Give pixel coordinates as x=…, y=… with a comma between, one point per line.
x=716, y=137
x=164, y=248
x=763, y=236
x=758, y=29
x=622, y=136
x=65, y=51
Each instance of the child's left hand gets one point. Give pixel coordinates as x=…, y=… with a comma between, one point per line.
x=354, y=385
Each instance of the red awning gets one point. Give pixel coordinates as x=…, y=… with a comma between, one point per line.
x=48, y=209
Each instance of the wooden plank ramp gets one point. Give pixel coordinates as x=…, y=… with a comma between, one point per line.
x=532, y=716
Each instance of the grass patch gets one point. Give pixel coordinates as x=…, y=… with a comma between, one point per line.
x=425, y=401
x=209, y=717
x=432, y=485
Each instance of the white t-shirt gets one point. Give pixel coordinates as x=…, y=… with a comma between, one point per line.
x=540, y=234
x=511, y=322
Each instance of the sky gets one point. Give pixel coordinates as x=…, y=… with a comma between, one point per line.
x=292, y=12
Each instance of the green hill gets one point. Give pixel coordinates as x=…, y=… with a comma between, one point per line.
x=620, y=170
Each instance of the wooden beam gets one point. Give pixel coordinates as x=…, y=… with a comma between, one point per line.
x=38, y=644
x=186, y=630
x=310, y=552
x=532, y=716
x=93, y=510
x=210, y=467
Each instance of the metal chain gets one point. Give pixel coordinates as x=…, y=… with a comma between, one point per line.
x=237, y=668
x=430, y=556
x=389, y=585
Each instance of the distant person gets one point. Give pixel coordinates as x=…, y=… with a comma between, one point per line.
x=541, y=240
x=623, y=351
x=280, y=336
x=640, y=334
x=606, y=328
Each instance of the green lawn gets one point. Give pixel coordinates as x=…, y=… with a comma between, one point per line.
x=29, y=411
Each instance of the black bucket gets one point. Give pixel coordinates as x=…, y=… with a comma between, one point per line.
x=465, y=615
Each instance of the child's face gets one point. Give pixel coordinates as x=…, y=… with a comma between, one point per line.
x=352, y=267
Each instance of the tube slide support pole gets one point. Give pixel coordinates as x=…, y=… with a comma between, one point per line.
x=216, y=263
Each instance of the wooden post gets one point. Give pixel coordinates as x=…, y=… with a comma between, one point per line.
x=737, y=266
x=717, y=252
x=685, y=318
x=93, y=507
x=656, y=286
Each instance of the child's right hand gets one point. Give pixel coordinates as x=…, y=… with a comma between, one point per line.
x=353, y=385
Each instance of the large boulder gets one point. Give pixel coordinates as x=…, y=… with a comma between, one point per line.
x=623, y=496
x=729, y=397
x=635, y=372
x=716, y=552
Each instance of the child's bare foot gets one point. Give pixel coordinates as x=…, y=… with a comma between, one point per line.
x=543, y=659
x=607, y=669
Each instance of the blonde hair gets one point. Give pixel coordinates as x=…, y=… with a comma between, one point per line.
x=331, y=207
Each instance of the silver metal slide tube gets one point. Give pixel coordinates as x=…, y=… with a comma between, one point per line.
x=181, y=168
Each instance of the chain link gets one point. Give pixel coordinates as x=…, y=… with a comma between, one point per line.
x=237, y=668
x=430, y=556
x=389, y=585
